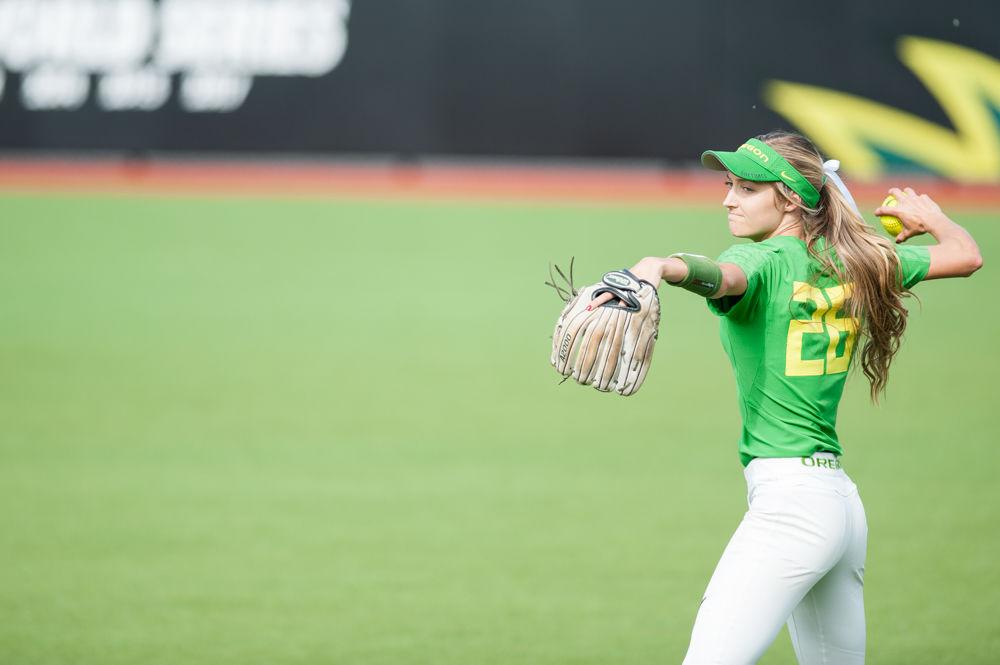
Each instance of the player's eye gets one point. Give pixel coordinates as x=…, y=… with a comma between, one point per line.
x=729, y=183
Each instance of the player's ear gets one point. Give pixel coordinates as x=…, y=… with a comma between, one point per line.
x=782, y=202
x=793, y=204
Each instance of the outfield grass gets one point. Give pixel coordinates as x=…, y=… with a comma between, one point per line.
x=269, y=431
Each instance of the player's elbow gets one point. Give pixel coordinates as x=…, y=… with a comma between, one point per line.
x=733, y=282
x=724, y=285
x=973, y=262
x=954, y=259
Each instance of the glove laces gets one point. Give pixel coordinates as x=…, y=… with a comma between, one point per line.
x=567, y=290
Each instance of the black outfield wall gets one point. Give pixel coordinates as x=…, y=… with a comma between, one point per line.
x=553, y=78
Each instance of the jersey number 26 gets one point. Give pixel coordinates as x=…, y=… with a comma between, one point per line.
x=825, y=320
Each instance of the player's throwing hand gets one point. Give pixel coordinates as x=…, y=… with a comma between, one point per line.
x=917, y=212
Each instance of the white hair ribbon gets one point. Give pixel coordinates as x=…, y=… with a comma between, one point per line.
x=830, y=167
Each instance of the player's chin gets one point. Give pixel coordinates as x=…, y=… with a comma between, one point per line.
x=738, y=228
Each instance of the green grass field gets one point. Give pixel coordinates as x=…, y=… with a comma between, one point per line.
x=320, y=431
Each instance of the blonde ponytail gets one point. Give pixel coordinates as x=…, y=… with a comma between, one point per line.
x=853, y=253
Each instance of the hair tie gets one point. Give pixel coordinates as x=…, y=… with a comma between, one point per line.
x=830, y=167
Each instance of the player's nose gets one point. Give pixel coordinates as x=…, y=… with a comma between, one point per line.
x=730, y=200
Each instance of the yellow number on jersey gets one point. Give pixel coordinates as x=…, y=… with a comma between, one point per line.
x=838, y=295
x=829, y=303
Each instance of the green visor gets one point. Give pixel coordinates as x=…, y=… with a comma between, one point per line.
x=757, y=161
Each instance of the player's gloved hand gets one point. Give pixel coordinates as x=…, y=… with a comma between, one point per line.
x=650, y=269
x=608, y=347
x=917, y=212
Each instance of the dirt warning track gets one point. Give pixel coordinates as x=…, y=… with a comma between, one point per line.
x=644, y=185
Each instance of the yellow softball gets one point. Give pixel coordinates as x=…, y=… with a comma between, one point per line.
x=891, y=224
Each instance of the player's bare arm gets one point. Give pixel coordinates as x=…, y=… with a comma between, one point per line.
x=674, y=271
x=734, y=282
x=956, y=253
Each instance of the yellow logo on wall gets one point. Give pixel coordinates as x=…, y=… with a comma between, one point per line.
x=859, y=132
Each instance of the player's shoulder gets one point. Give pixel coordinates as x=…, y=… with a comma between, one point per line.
x=784, y=245
x=775, y=245
x=754, y=256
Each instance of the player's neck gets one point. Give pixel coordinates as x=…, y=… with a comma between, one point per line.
x=788, y=226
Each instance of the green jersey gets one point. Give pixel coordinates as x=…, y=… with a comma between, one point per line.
x=791, y=343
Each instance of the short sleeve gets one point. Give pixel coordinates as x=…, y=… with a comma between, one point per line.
x=914, y=262
x=752, y=260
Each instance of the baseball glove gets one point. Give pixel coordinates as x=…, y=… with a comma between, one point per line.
x=611, y=346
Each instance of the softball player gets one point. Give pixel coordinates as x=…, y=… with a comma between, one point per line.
x=815, y=288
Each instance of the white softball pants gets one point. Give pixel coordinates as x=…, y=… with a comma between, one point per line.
x=798, y=557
